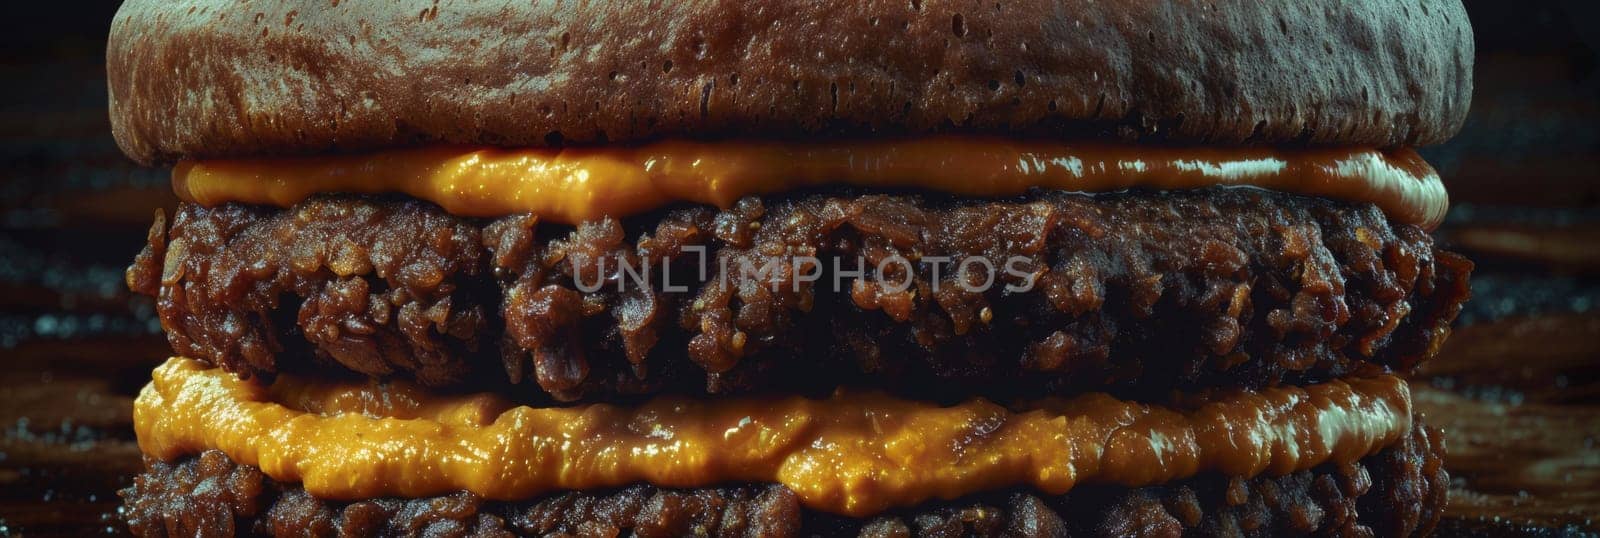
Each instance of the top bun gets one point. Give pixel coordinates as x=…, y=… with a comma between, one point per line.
x=219, y=78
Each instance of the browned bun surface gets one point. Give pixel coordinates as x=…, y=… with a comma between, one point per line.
x=204, y=78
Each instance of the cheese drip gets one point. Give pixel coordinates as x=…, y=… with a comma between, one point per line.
x=580, y=184
x=855, y=453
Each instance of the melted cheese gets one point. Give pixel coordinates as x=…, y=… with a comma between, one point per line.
x=855, y=453
x=580, y=184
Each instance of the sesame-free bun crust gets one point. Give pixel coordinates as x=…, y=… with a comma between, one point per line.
x=213, y=78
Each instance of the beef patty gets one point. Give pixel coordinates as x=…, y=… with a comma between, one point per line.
x=1399, y=491
x=1135, y=292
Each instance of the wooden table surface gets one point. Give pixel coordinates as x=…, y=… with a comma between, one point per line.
x=1516, y=389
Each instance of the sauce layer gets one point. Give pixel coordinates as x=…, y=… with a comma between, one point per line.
x=854, y=453
x=579, y=184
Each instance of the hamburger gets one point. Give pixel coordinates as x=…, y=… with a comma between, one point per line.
x=791, y=268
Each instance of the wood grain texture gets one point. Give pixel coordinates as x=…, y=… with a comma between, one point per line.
x=1519, y=402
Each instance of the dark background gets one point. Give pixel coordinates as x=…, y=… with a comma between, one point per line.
x=1515, y=389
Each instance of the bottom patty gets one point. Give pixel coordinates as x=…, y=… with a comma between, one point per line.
x=1399, y=491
